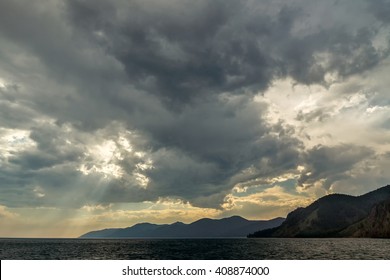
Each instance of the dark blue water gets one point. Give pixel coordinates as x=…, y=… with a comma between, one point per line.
x=203, y=249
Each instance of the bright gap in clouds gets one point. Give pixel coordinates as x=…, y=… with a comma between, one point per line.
x=330, y=116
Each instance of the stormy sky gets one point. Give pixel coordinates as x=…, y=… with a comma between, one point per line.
x=124, y=111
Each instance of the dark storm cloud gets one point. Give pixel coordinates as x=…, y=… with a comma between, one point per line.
x=381, y=9
x=181, y=74
x=331, y=164
x=13, y=113
x=177, y=51
x=201, y=129
x=51, y=150
x=14, y=116
x=63, y=76
x=48, y=163
x=193, y=48
x=195, y=166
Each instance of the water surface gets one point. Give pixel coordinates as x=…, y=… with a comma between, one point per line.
x=187, y=249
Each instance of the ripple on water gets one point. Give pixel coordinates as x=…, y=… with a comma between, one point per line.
x=115, y=249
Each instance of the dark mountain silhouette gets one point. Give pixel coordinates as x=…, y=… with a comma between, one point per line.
x=338, y=215
x=228, y=227
x=376, y=225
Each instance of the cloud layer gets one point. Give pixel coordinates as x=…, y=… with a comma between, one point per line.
x=210, y=103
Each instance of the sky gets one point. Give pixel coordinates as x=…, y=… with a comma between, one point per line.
x=125, y=111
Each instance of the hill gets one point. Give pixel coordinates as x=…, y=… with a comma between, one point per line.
x=338, y=215
x=204, y=228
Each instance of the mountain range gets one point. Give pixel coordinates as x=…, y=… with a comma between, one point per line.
x=334, y=215
x=235, y=226
x=338, y=215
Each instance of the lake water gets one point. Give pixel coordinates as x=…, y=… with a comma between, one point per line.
x=202, y=249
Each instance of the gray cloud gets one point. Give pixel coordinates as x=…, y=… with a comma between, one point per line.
x=52, y=149
x=381, y=9
x=331, y=164
x=204, y=47
x=181, y=76
x=315, y=115
x=193, y=164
